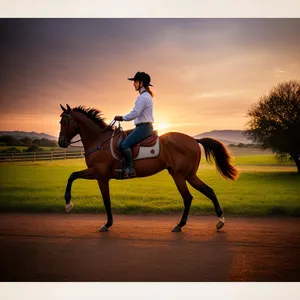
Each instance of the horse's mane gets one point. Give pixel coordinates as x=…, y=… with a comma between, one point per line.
x=93, y=114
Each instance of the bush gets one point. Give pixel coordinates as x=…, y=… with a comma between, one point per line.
x=33, y=148
x=11, y=150
x=3, y=144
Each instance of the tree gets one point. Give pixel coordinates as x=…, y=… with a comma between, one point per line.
x=241, y=145
x=26, y=140
x=48, y=143
x=45, y=142
x=10, y=140
x=275, y=121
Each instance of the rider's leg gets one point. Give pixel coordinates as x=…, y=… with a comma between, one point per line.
x=137, y=135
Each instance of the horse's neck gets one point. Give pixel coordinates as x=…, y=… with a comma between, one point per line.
x=90, y=133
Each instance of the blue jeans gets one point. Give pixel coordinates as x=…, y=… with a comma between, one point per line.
x=140, y=133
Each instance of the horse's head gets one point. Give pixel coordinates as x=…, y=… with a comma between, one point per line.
x=68, y=127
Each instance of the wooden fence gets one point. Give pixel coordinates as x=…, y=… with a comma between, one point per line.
x=41, y=155
x=79, y=153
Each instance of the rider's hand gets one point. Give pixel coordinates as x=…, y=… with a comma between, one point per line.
x=118, y=118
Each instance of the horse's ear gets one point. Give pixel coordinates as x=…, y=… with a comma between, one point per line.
x=64, y=110
x=68, y=107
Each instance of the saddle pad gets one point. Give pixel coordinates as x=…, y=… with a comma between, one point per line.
x=149, y=152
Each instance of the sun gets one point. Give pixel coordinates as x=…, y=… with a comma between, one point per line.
x=161, y=127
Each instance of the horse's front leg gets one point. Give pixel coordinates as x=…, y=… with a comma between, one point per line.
x=104, y=188
x=84, y=174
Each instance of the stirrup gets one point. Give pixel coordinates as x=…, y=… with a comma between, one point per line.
x=129, y=174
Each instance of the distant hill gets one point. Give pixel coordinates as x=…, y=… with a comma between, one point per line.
x=226, y=136
x=32, y=135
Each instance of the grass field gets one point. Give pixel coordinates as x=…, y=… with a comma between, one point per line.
x=264, y=188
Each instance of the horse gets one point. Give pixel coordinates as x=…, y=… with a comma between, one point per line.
x=179, y=153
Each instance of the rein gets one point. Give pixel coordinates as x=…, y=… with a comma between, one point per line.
x=102, y=130
x=71, y=120
x=119, y=128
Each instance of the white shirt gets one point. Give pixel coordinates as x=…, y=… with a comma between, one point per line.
x=143, y=109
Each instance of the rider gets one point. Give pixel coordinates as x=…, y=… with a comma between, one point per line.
x=142, y=114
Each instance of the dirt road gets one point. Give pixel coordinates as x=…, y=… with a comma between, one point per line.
x=58, y=247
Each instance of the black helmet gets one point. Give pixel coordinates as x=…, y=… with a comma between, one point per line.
x=142, y=76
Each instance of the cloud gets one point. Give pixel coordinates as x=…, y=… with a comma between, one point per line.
x=218, y=94
x=278, y=70
x=294, y=64
x=202, y=69
x=182, y=124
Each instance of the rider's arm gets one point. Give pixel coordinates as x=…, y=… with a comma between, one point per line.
x=140, y=105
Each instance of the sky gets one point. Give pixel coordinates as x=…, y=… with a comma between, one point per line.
x=206, y=72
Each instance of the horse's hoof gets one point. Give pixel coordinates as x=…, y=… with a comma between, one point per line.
x=69, y=207
x=176, y=229
x=219, y=225
x=103, y=229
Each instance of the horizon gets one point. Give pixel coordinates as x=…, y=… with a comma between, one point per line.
x=74, y=137
x=206, y=72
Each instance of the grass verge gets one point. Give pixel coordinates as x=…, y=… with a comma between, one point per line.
x=264, y=188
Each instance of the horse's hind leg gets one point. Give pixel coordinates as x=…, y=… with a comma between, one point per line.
x=187, y=199
x=199, y=185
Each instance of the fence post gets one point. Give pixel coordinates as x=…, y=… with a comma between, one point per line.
x=33, y=156
x=51, y=155
x=12, y=157
x=81, y=154
x=65, y=154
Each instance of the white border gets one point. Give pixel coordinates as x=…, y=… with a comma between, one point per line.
x=152, y=8
x=161, y=9
x=150, y=291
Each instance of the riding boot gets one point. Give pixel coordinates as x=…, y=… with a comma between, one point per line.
x=129, y=169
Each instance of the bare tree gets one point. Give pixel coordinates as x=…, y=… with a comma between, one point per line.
x=275, y=121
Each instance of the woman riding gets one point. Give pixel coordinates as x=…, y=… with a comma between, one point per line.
x=142, y=114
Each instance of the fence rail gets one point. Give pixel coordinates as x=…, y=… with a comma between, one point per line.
x=79, y=153
x=38, y=156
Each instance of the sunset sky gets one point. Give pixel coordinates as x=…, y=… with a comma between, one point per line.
x=206, y=72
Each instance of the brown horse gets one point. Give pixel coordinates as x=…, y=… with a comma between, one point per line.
x=179, y=153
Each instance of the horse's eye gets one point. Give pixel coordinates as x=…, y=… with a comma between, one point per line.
x=63, y=122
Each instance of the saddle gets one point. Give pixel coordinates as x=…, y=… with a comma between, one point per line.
x=148, y=148
x=138, y=151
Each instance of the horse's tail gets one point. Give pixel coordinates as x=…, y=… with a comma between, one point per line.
x=216, y=150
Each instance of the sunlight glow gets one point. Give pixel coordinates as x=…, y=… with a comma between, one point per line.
x=161, y=126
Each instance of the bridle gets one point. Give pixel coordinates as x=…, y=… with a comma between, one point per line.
x=70, y=120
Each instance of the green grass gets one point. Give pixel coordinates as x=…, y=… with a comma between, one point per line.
x=264, y=188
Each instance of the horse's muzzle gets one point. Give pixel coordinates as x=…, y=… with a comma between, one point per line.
x=63, y=143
